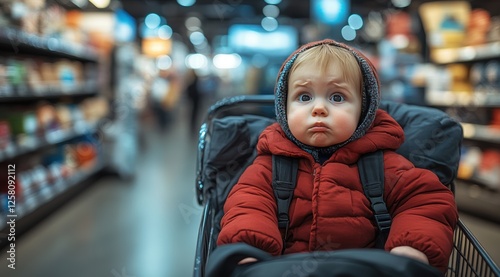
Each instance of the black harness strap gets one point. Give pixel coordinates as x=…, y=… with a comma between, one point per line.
x=284, y=182
x=371, y=172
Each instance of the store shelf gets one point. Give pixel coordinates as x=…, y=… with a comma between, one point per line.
x=52, y=138
x=463, y=99
x=475, y=199
x=48, y=199
x=481, y=133
x=483, y=184
x=466, y=53
x=50, y=96
x=66, y=74
x=18, y=42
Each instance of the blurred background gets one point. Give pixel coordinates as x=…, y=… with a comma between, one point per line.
x=101, y=102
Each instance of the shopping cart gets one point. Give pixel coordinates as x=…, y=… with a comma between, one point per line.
x=468, y=258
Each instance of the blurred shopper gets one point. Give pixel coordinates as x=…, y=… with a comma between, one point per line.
x=194, y=98
x=159, y=90
x=165, y=92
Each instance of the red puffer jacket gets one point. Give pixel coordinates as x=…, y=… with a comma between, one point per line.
x=329, y=209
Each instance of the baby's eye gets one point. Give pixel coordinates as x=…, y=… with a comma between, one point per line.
x=337, y=97
x=304, y=98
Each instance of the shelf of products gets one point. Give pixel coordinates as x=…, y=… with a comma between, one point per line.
x=475, y=99
x=20, y=42
x=12, y=151
x=471, y=94
x=463, y=79
x=466, y=53
x=476, y=199
x=482, y=133
x=43, y=184
x=50, y=113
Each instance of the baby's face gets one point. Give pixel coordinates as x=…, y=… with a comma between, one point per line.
x=323, y=108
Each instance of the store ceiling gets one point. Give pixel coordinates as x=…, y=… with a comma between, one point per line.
x=218, y=15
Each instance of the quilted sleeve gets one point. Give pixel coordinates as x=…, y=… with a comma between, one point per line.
x=424, y=212
x=250, y=210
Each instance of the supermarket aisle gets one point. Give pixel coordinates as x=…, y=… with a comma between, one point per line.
x=146, y=227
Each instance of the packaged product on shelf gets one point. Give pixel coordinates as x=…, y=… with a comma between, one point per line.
x=66, y=76
x=47, y=120
x=24, y=184
x=94, y=109
x=55, y=155
x=55, y=174
x=79, y=124
x=49, y=78
x=43, y=184
x=64, y=118
x=86, y=154
x=469, y=162
x=460, y=81
x=39, y=176
x=34, y=78
x=489, y=168
x=445, y=22
x=495, y=118
x=479, y=25
x=5, y=135
x=23, y=124
x=6, y=88
x=70, y=164
x=52, y=21
x=492, y=72
x=399, y=30
x=16, y=74
x=478, y=77
x=494, y=32
x=33, y=180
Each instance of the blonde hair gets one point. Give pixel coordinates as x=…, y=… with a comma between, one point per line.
x=326, y=55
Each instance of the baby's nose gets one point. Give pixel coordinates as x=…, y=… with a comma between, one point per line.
x=319, y=108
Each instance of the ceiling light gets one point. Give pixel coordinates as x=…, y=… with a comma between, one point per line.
x=186, y=3
x=348, y=33
x=197, y=38
x=196, y=61
x=193, y=23
x=227, y=61
x=273, y=2
x=152, y=21
x=164, y=62
x=269, y=24
x=401, y=3
x=355, y=21
x=101, y=4
x=165, y=32
x=271, y=11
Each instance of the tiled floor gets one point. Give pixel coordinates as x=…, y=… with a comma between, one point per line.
x=146, y=227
